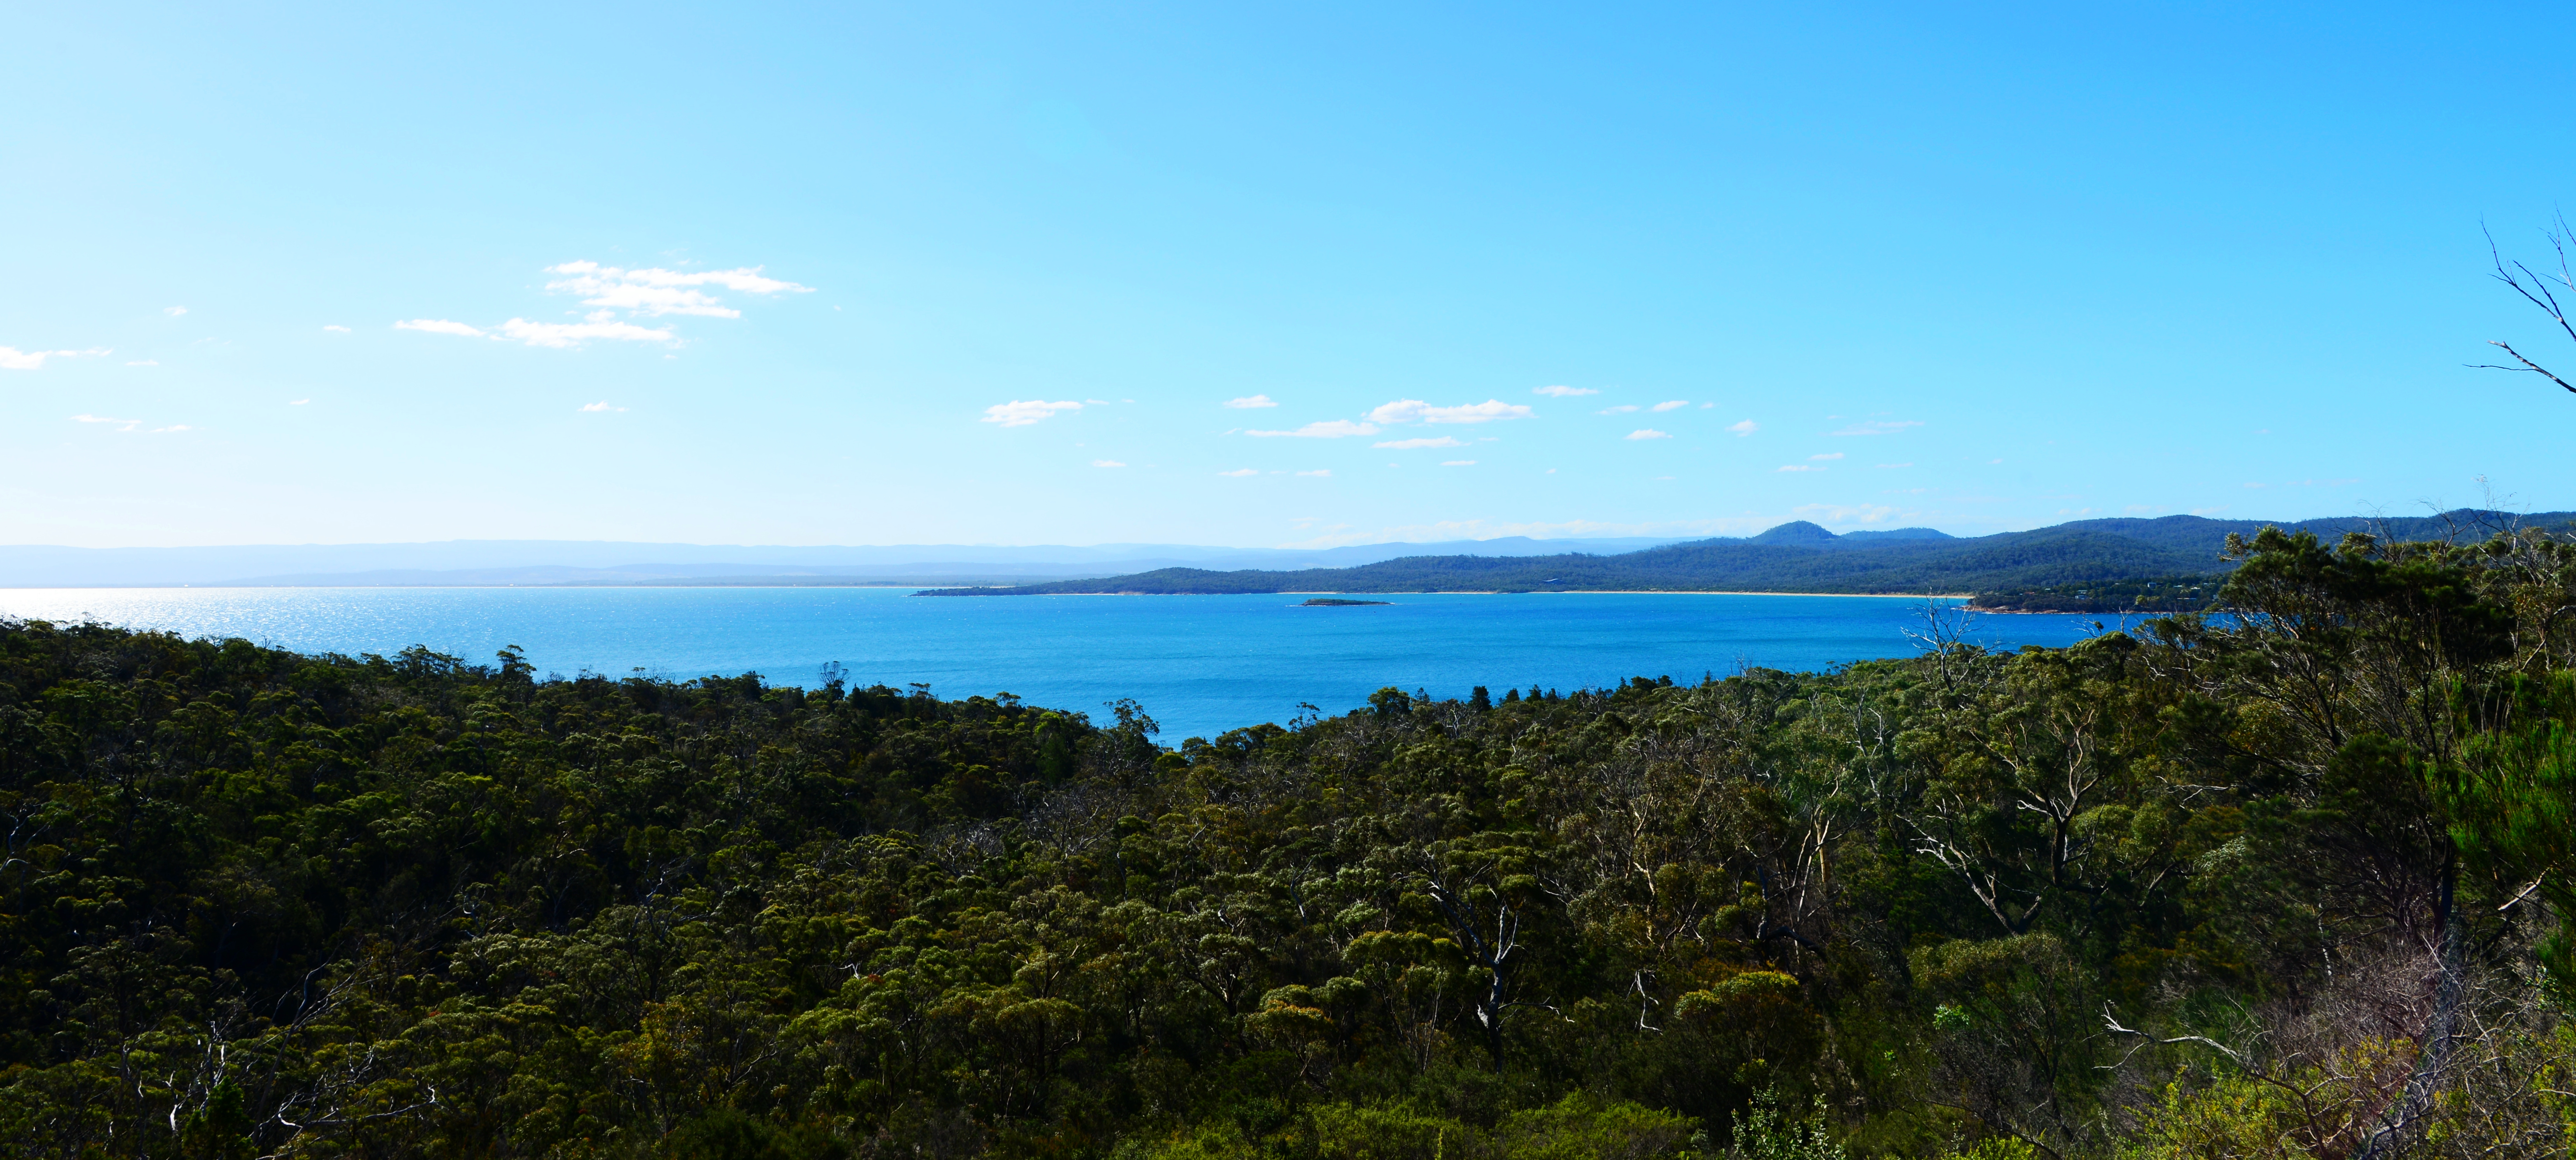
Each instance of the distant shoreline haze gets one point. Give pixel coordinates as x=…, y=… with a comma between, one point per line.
x=1793, y=557
x=476, y=563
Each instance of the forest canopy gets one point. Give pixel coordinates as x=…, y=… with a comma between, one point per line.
x=2282, y=878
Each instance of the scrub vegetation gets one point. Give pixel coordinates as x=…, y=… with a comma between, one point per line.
x=2280, y=880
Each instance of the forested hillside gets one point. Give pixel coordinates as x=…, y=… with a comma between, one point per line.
x=1802, y=557
x=2272, y=884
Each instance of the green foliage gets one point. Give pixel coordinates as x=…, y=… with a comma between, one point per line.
x=2167, y=894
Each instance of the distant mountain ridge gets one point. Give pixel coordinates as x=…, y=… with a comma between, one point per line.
x=1804, y=557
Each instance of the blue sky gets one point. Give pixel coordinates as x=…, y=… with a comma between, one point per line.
x=992, y=274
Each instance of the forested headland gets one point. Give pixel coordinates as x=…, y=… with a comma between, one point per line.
x=1803, y=557
x=2285, y=880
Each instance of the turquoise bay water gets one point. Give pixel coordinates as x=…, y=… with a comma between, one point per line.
x=1199, y=664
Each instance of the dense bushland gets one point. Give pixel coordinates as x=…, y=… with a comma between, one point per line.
x=2277, y=882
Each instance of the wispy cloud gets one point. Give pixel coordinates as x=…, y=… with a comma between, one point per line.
x=1022, y=412
x=1799, y=467
x=1411, y=444
x=1878, y=427
x=1887, y=466
x=174, y=311
x=1325, y=429
x=1106, y=463
x=1339, y=535
x=1248, y=402
x=1648, y=433
x=599, y=407
x=654, y=291
x=126, y=425
x=1240, y=472
x=1827, y=513
x=1744, y=428
x=439, y=326
x=1318, y=473
x=1457, y=463
x=1621, y=409
x=1417, y=411
x=1672, y=404
x=1827, y=455
x=1564, y=392
x=563, y=334
x=14, y=359
x=340, y=329
x=297, y=402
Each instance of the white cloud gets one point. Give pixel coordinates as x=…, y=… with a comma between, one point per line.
x=1318, y=473
x=1106, y=463
x=1341, y=534
x=439, y=326
x=1707, y=406
x=2209, y=511
x=1564, y=392
x=1648, y=433
x=1878, y=427
x=341, y=329
x=297, y=402
x=1327, y=429
x=174, y=311
x=563, y=334
x=1099, y=402
x=1248, y=402
x=1410, y=444
x=1744, y=428
x=654, y=291
x=1621, y=409
x=1457, y=463
x=1886, y=466
x=1826, y=513
x=1417, y=411
x=14, y=359
x=1826, y=455
x=145, y=362
x=170, y=429
x=1239, y=472
x=600, y=406
x=1798, y=467
x=1672, y=405
x=1022, y=412
x=122, y=424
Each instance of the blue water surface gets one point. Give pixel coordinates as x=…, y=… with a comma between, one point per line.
x=1198, y=664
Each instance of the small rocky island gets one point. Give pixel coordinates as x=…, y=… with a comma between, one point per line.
x=1337, y=602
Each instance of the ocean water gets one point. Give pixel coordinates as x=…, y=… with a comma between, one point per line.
x=1198, y=664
